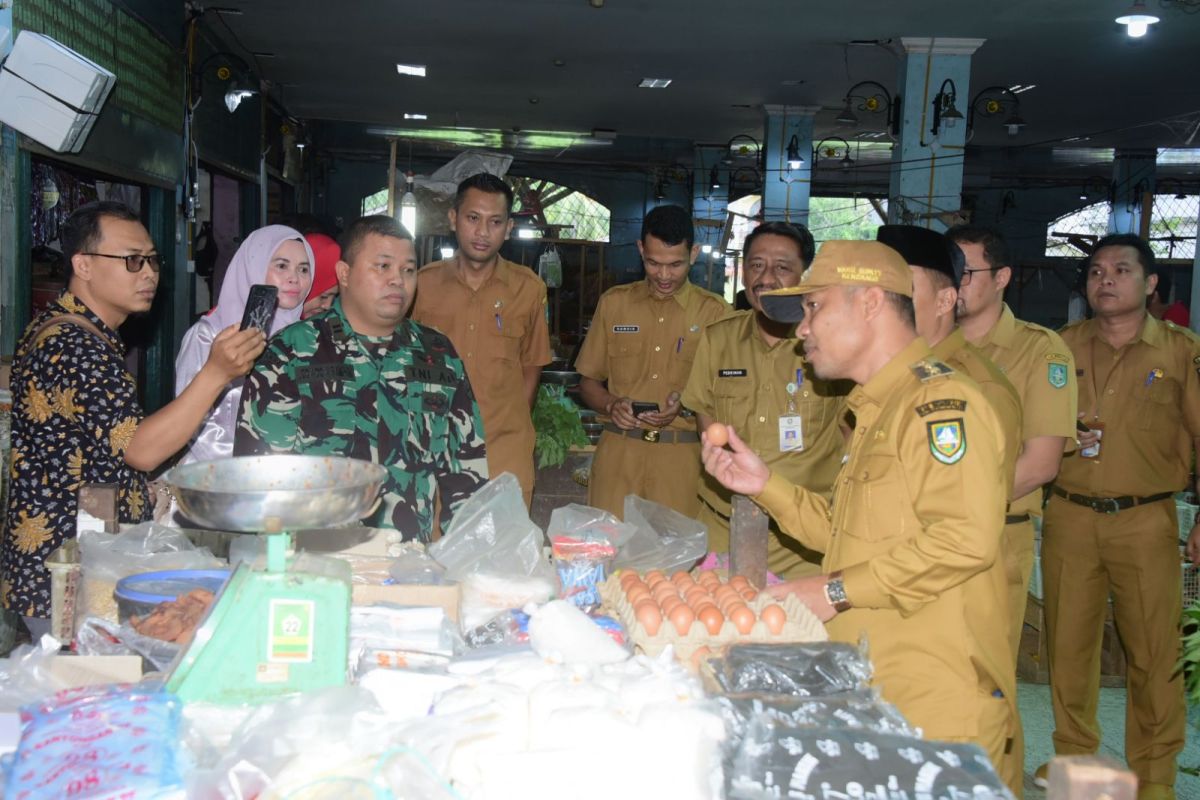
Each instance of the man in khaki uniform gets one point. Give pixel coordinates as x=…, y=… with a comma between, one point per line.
x=749, y=373
x=1042, y=369
x=912, y=535
x=1110, y=525
x=642, y=341
x=494, y=312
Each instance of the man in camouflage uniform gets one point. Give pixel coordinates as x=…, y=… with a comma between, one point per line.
x=361, y=381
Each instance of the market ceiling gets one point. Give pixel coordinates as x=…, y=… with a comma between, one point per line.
x=567, y=66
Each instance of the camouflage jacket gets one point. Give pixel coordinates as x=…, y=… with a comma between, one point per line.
x=402, y=401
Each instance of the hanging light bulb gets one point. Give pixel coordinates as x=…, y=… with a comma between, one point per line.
x=408, y=206
x=794, y=159
x=1136, y=20
x=714, y=179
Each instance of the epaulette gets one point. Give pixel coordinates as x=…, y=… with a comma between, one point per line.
x=929, y=368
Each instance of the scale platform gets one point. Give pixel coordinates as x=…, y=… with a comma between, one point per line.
x=283, y=627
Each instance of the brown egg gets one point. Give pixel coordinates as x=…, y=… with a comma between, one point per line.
x=728, y=604
x=711, y=619
x=773, y=617
x=654, y=576
x=628, y=576
x=718, y=434
x=749, y=594
x=695, y=594
x=708, y=579
x=636, y=595
x=702, y=652
x=725, y=592
x=682, y=618
x=649, y=616
x=682, y=580
x=663, y=591
x=741, y=616
x=670, y=604
x=739, y=582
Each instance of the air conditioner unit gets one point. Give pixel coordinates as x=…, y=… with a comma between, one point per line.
x=50, y=93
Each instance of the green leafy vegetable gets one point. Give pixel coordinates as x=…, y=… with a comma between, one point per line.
x=556, y=422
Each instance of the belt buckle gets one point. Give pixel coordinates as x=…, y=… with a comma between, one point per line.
x=1105, y=505
x=650, y=435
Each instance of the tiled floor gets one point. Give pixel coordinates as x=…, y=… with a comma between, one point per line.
x=1038, y=719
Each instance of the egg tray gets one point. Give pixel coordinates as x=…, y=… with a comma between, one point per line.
x=801, y=625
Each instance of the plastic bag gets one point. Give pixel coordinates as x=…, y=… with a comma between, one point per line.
x=492, y=534
x=805, y=763
x=99, y=742
x=859, y=710
x=663, y=539
x=106, y=558
x=98, y=637
x=487, y=596
x=25, y=674
x=550, y=267
x=814, y=669
x=583, y=544
x=414, y=565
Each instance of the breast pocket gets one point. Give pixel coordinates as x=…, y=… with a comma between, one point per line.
x=868, y=499
x=1159, y=405
x=734, y=399
x=625, y=353
x=505, y=344
x=679, y=367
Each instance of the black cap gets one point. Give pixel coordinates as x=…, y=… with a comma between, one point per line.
x=922, y=247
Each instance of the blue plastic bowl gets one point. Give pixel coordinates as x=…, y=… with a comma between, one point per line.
x=138, y=595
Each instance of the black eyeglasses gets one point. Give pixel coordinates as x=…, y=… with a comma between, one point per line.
x=135, y=261
x=967, y=273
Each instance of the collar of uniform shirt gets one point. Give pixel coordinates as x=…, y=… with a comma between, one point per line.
x=1005, y=329
x=883, y=383
x=1153, y=332
x=682, y=297
x=499, y=274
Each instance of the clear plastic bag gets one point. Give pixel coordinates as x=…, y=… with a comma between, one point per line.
x=492, y=534
x=583, y=544
x=814, y=669
x=663, y=538
x=550, y=267
x=98, y=637
x=777, y=760
x=149, y=547
x=414, y=565
x=25, y=674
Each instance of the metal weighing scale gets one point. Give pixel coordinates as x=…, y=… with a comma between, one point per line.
x=281, y=627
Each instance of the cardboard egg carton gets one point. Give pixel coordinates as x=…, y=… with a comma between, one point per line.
x=800, y=625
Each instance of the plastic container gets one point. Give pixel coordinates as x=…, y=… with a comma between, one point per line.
x=65, y=569
x=138, y=595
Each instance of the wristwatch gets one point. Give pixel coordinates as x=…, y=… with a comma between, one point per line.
x=835, y=592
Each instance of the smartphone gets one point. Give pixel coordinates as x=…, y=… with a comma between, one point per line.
x=260, y=307
x=1079, y=426
x=644, y=408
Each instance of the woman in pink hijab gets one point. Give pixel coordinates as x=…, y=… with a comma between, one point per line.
x=276, y=255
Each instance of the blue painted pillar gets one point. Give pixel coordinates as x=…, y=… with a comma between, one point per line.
x=1133, y=176
x=787, y=190
x=927, y=168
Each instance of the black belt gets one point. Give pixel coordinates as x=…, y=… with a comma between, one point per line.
x=1109, y=505
x=654, y=435
x=1016, y=519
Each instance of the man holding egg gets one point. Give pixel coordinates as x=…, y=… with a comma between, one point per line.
x=912, y=534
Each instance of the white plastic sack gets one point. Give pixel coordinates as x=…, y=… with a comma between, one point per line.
x=560, y=632
x=664, y=539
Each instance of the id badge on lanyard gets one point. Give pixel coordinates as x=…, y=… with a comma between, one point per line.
x=791, y=426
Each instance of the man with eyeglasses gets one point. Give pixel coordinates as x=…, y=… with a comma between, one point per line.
x=1041, y=367
x=76, y=418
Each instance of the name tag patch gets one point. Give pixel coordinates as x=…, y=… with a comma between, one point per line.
x=434, y=402
x=430, y=374
x=626, y=328
x=324, y=373
x=940, y=405
x=731, y=373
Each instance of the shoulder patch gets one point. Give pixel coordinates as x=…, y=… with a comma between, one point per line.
x=1056, y=374
x=947, y=440
x=925, y=409
x=930, y=368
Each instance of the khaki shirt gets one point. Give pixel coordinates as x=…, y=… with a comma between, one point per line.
x=965, y=357
x=644, y=346
x=739, y=380
x=1042, y=369
x=1147, y=395
x=498, y=331
x=915, y=526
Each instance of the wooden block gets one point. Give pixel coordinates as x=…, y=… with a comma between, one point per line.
x=748, y=536
x=1089, y=778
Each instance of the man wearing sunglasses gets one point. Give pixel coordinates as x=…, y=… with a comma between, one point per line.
x=76, y=418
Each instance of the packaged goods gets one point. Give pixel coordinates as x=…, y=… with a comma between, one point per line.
x=582, y=565
x=815, y=669
x=862, y=709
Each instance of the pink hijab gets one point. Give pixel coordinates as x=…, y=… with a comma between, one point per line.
x=248, y=267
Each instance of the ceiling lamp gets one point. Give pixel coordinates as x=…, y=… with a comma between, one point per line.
x=994, y=100
x=408, y=207
x=794, y=159
x=878, y=101
x=847, y=116
x=829, y=147
x=1136, y=20
x=944, y=110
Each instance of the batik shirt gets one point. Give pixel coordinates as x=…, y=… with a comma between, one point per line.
x=401, y=401
x=75, y=411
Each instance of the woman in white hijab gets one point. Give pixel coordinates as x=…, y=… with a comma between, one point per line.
x=276, y=255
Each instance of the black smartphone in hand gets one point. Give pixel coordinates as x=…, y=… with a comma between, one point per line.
x=260, y=307
x=1079, y=426
x=644, y=408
